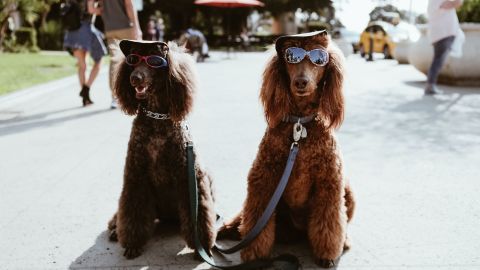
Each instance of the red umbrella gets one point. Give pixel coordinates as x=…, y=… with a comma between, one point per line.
x=230, y=3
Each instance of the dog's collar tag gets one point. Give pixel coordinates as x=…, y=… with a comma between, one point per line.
x=299, y=132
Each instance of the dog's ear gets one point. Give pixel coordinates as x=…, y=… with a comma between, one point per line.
x=331, y=88
x=181, y=84
x=275, y=94
x=123, y=90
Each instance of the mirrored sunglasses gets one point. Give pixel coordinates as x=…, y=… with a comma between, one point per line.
x=153, y=61
x=318, y=57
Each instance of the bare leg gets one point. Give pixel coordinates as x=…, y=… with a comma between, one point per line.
x=94, y=73
x=81, y=65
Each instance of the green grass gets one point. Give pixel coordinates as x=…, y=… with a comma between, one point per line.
x=18, y=71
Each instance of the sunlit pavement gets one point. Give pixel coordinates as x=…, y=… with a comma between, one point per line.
x=412, y=160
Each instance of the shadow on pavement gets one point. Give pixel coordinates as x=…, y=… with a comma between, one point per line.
x=17, y=115
x=448, y=121
x=22, y=124
x=167, y=250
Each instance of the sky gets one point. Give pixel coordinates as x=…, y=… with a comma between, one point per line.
x=354, y=13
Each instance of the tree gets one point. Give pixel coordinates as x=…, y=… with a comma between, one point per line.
x=469, y=11
x=7, y=7
x=30, y=11
x=379, y=13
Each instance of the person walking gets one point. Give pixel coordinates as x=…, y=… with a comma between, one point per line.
x=121, y=22
x=81, y=38
x=445, y=34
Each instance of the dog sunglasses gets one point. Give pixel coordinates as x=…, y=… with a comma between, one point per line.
x=295, y=55
x=153, y=61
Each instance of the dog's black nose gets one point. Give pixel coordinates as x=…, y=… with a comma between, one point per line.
x=136, y=79
x=301, y=83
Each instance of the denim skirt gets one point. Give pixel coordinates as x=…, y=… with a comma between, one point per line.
x=87, y=38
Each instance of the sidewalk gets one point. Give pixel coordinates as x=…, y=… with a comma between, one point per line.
x=412, y=162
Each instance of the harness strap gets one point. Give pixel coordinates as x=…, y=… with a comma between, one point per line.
x=289, y=262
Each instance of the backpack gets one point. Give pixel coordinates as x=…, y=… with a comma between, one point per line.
x=71, y=15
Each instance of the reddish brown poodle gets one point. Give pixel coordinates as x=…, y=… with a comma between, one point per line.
x=156, y=83
x=318, y=201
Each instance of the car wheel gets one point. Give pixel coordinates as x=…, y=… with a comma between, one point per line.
x=362, y=50
x=386, y=52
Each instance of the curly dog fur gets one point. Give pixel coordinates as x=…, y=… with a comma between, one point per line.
x=317, y=202
x=155, y=177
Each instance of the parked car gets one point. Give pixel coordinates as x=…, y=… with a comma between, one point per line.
x=382, y=41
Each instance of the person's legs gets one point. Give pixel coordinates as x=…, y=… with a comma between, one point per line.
x=113, y=61
x=441, y=50
x=81, y=56
x=91, y=78
x=94, y=72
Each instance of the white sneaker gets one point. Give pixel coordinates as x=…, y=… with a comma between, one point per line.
x=114, y=104
x=431, y=89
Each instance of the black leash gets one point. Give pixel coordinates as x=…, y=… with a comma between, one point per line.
x=289, y=262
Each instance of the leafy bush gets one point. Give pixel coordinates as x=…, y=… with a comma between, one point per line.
x=50, y=36
x=469, y=11
x=23, y=39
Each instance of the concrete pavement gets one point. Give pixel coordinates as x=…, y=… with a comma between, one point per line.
x=412, y=161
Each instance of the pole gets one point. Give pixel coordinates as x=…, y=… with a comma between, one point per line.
x=411, y=14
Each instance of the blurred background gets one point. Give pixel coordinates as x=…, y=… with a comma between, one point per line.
x=32, y=26
x=410, y=157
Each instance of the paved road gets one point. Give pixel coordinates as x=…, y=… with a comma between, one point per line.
x=412, y=161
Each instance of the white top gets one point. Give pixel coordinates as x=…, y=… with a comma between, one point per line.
x=442, y=23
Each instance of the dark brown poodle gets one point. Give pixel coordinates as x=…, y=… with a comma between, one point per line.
x=156, y=83
x=318, y=201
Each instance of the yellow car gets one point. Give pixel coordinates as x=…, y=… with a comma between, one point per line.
x=382, y=42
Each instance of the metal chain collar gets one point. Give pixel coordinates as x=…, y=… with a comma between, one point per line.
x=154, y=115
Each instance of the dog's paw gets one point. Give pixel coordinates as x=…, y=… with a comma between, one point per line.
x=325, y=263
x=347, y=245
x=113, y=236
x=132, y=253
x=248, y=254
